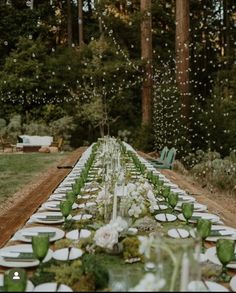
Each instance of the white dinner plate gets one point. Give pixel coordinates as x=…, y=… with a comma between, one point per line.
x=186, y=198
x=78, y=234
x=65, y=254
x=211, y=255
x=213, y=218
x=42, y=218
x=197, y=207
x=165, y=217
x=87, y=205
x=233, y=283
x=82, y=217
x=29, y=286
x=14, y=250
x=206, y=286
x=226, y=233
x=160, y=207
x=26, y=234
x=55, y=205
x=57, y=196
x=52, y=287
x=63, y=189
x=178, y=233
x=66, y=184
x=171, y=184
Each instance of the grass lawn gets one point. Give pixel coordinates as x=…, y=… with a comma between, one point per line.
x=16, y=170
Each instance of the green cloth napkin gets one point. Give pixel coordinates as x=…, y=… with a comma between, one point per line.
x=52, y=218
x=50, y=234
x=23, y=256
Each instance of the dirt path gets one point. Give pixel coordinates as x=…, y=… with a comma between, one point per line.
x=24, y=203
x=218, y=203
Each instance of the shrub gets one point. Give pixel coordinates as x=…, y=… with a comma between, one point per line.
x=221, y=173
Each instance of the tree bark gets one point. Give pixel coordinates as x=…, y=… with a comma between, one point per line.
x=80, y=22
x=182, y=55
x=69, y=23
x=146, y=56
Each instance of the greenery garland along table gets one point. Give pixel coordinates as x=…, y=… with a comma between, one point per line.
x=123, y=232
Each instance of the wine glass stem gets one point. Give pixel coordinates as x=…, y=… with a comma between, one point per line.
x=203, y=246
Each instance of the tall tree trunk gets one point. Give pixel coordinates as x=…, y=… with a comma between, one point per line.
x=182, y=55
x=80, y=22
x=226, y=30
x=69, y=23
x=146, y=55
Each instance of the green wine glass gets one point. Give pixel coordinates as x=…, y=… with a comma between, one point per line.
x=204, y=230
x=15, y=280
x=166, y=192
x=40, y=245
x=187, y=210
x=66, y=208
x=225, y=253
x=173, y=200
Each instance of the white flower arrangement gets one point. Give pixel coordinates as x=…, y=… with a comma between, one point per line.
x=107, y=236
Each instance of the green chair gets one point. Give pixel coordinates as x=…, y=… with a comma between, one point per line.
x=168, y=161
x=162, y=157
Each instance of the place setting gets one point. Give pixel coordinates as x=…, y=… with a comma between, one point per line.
x=23, y=256
x=78, y=234
x=221, y=231
x=65, y=254
x=52, y=287
x=55, y=205
x=26, y=234
x=48, y=218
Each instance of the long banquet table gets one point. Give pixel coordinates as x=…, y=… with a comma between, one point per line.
x=122, y=233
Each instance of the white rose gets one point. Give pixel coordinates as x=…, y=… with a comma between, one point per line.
x=106, y=237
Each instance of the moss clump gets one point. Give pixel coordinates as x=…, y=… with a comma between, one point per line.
x=131, y=248
x=67, y=273
x=85, y=284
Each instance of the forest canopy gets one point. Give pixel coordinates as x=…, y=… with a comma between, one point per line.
x=83, y=68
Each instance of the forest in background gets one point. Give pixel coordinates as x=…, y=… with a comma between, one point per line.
x=76, y=69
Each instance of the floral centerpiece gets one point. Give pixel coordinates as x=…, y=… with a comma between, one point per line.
x=107, y=236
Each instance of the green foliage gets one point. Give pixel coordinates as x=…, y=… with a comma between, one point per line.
x=67, y=273
x=210, y=168
x=93, y=267
x=143, y=138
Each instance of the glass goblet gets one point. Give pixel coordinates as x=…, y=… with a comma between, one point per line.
x=225, y=253
x=187, y=210
x=15, y=280
x=173, y=200
x=40, y=245
x=166, y=192
x=204, y=230
x=66, y=208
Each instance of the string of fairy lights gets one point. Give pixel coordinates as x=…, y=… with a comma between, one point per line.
x=166, y=99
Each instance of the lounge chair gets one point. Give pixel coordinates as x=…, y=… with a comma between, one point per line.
x=6, y=145
x=167, y=162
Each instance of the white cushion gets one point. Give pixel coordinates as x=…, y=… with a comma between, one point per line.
x=36, y=140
